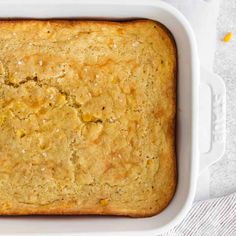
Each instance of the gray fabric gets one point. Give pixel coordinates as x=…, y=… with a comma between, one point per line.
x=211, y=217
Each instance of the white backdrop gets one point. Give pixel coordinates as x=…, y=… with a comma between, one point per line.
x=202, y=15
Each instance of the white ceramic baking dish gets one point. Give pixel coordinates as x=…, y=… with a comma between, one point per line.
x=212, y=93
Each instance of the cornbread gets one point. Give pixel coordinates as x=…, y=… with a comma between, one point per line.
x=87, y=117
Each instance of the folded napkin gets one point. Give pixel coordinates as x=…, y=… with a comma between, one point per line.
x=208, y=218
x=202, y=15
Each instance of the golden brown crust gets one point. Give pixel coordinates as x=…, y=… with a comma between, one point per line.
x=87, y=117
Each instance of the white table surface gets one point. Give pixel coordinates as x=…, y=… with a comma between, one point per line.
x=223, y=173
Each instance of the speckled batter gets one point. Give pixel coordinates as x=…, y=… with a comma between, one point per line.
x=87, y=117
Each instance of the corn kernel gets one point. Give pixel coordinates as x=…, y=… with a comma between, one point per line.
x=12, y=80
x=61, y=99
x=20, y=133
x=228, y=37
x=149, y=162
x=20, y=106
x=87, y=117
x=114, y=80
x=104, y=202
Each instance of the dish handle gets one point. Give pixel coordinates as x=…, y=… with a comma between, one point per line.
x=212, y=119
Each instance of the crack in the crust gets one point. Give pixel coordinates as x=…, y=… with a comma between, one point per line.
x=35, y=79
x=27, y=79
x=70, y=99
